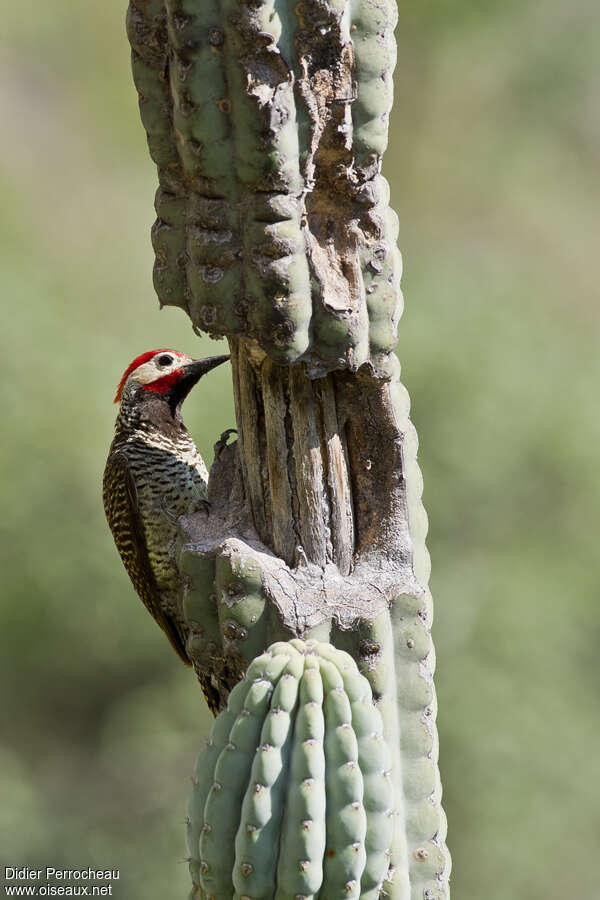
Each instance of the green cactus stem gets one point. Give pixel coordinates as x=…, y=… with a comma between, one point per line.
x=293, y=796
x=267, y=122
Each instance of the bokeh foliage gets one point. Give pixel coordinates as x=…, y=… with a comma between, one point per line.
x=492, y=163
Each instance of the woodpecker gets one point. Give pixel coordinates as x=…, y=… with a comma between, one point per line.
x=153, y=475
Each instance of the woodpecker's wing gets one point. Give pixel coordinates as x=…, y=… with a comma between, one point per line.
x=121, y=507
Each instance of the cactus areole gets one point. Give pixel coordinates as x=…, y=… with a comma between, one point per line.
x=293, y=795
x=267, y=120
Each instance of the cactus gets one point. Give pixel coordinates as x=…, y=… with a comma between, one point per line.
x=267, y=120
x=293, y=795
x=268, y=158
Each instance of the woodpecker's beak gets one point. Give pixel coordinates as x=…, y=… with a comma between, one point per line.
x=200, y=367
x=192, y=373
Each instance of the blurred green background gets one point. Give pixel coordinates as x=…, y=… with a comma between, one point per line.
x=493, y=163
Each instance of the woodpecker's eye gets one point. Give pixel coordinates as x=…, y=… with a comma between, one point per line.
x=165, y=360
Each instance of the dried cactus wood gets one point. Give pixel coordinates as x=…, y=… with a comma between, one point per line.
x=310, y=812
x=268, y=120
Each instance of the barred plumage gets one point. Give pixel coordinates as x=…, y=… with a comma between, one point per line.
x=154, y=474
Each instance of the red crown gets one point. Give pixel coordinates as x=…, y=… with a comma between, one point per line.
x=139, y=361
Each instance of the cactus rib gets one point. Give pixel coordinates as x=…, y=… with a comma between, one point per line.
x=303, y=718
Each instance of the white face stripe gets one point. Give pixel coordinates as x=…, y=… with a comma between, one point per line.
x=151, y=370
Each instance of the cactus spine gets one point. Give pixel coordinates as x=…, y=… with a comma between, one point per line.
x=293, y=795
x=267, y=121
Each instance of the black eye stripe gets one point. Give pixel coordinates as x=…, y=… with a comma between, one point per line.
x=165, y=360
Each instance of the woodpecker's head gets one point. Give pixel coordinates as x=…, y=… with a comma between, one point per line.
x=163, y=376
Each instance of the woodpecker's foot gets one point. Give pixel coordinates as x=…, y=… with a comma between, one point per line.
x=222, y=442
x=203, y=505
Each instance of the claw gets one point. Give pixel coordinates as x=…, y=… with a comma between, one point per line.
x=222, y=442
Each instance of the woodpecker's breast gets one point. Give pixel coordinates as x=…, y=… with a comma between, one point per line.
x=171, y=480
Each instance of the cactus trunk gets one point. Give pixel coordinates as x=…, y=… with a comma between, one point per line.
x=267, y=120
